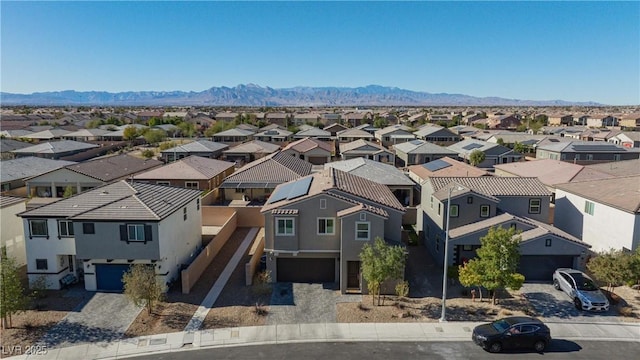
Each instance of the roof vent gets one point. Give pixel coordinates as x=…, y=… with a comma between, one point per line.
x=104, y=192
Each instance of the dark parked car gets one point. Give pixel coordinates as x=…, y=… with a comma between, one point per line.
x=517, y=332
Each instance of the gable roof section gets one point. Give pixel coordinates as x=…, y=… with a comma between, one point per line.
x=48, y=134
x=87, y=133
x=27, y=167
x=268, y=171
x=456, y=169
x=428, y=130
x=491, y=186
x=618, y=168
x=190, y=168
x=119, y=201
x=376, y=171
x=422, y=147
x=393, y=128
x=10, y=200
x=114, y=167
x=622, y=193
x=552, y=172
x=313, y=132
x=7, y=145
x=354, y=132
x=467, y=146
x=197, y=146
x=55, y=147
x=307, y=144
x=235, y=132
x=357, y=144
x=253, y=146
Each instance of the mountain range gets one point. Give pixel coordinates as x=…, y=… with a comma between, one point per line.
x=254, y=95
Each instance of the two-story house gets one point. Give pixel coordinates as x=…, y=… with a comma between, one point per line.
x=419, y=152
x=315, y=151
x=585, y=152
x=494, y=153
x=99, y=234
x=200, y=147
x=394, y=134
x=367, y=150
x=315, y=227
x=437, y=135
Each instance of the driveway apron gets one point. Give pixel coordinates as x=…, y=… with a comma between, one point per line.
x=299, y=303
x=103, y=317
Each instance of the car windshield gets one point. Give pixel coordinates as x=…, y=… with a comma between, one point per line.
x=500, y=325
x=585, y=284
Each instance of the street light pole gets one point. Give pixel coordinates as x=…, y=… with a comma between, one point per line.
x=443, y=316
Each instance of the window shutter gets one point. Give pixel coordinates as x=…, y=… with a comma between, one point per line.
x=147, y=233
x=123, y=233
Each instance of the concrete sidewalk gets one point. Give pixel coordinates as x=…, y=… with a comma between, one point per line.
x=323, y=332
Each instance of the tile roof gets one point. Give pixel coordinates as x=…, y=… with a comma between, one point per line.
x=10, y=200
x=285, y=211
x=582, y=146
x=48, y=134
x=270, y=170
x=7, y=145
x=361, y=207
x=234, y=132
x=87, y=133
x=491, y=186
x=622, y=193
x=274, y=132
x=55, y=147
x=376, y=171
x=198, y=146
x=467, y=146
x=119, y=201
x=307, y=144
x=354, y=146
x=27, y=167
x=253, y=146
x=457, y=169
x=618, y=168
x=393, y=128
x=114, y=167
x=190, y=168
x=15, y=133
x=552, y=172
x=313, y=132
x=354, y=132
x=422, y=147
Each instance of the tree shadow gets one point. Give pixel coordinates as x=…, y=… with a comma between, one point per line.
x=282, y=294
x=68, y=333
x=547, y=305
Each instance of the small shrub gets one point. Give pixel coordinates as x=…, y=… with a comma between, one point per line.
x=362, y=307
x=260, y=310
x=399, y=305
x=262, y=284
x=39, y=287
x=402, y=289
x=626, y=311
x=148, y=154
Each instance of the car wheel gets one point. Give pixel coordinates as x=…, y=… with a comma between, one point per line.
x=577, y=303
x=539, y=346
x=556, y=285
x=496, y=347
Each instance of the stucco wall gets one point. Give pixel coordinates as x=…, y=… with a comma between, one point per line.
x=12, y=235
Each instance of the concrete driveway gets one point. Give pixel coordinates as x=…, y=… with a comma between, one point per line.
x=296, y=303
x=103, y=317
x=557, y=306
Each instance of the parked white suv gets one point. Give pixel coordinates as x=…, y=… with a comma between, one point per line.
x=585, y=293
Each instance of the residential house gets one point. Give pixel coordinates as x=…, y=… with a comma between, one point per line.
x=354, y=134
x=354, y=119
x=419, y=152
x=394, y=134
x=509, y=121
x=395, y=179
x=471, y=118
x=313, y=132
x=627, y=139
x=249, y=127
x=149, y=114
x=249, y=151
x=305, y=118
x=416, y=118
x=9, y=145
x=603, y=213
x=200, y=147
x=86, y=135
x=316, y=152
x=54, y=150
x=233, y=136
x=444, y=167
x=12, y=234
x=276, y=136
x=585, y=152
x=618, y=168
x=334, y=128
x=170, y=129
x=14, y=172
x=437, y=134
x=281, y=119
x=97, y=235
x=600, y=120
x=440, y=118
x=347, y=212
x=560, y=119
x=87, y=175
x=47, y=135
x=226, y=116
x=330, y=118
x=630, y=121
x=14, y=133
x=478, y=203
x=494, y=153
x=256, y=180
x=193, y=172
x=366, y=149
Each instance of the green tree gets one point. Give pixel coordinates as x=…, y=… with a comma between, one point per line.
x=496, y=264
x=130, y=133
x=154, y=136
x=615, y=267
x=148, y=153
x=380, y=122
x=142, y=287
x=12, y=297
x=186, y=129
x=476, y=157
x=381, y=262
x=519, y=147
x=500, y=141
x=69, y=191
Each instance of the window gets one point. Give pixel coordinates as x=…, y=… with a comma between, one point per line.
x=534, y=206
x=326, y=226
x=38, y=228
x=484, y=211
x=135, y=232
x=88, y=228
x=439, y=208
x=65, y=228
x=469, y=199
x=589, y=157
x=284, y=226
x=163, y=183
x=454, y=211
x=362, y=231
x=41, y=264
x=616, y=157
x=467, y=247
x=577, y=157
x=547, y=243
x=589, y=207
x=184, y=213
x=323, y=203
x=191, y=185
x=431, y=201
x=239, y=191
x=198, y=204
x=363, y=216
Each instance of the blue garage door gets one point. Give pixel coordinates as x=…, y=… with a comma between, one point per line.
x=109, y=277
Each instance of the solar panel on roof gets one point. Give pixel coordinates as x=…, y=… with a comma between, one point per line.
x=472, y=146
x=596, y=148
x=280, y=194
x=415, y=142
x=291, y=190
x=436, y=165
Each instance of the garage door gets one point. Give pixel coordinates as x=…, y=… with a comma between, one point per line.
x=109, y=277
x=306, y=270
x=317, y=160
x=541, y=267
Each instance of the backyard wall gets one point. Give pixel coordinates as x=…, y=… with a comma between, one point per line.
x=257, y=249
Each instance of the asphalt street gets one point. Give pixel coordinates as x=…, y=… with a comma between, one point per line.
x=558, y=349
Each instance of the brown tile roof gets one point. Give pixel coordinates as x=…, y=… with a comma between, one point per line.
x=306, y=144
x=190, y=168
x=457, y=169
x=350, y=146
x=552, y=172
x=10, y=200
x=362, y=207
x=273, y=169
x=285, y=211
x=622, y=193
x=492, y=185
x=114, y=167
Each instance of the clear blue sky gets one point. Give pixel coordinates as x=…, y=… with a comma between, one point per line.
x=576, y=51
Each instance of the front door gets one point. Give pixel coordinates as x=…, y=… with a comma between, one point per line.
x=353, y=275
